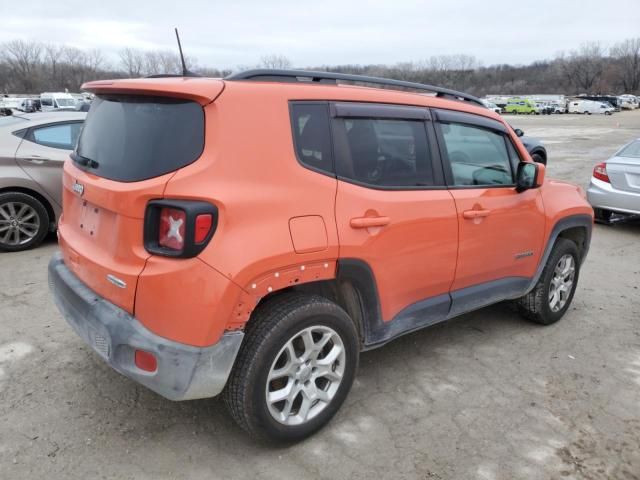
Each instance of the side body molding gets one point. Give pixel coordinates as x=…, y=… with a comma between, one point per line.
x=376, y=332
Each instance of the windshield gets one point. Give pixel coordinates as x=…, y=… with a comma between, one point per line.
x=66, y=102
x=131, y=138
x=632, y=150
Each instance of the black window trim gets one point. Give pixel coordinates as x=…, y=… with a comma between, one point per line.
x=379, y=111
x=462, y=118
x=27, y=133
x=294, y=137
x=340, y=142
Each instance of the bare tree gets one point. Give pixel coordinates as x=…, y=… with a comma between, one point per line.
x=52, y=58
x=275, y=61
x=132, y=61
x=627, y=54
x=23, y=60
x=584, y=67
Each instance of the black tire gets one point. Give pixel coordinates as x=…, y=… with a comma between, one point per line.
x=42, y=218
x=534, y=305
x=273, y=324
x=536, y=157
x=602, y=216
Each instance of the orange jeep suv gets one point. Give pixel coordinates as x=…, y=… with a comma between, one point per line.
x=250, y=236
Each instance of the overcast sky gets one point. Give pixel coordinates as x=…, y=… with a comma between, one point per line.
x=229, y=33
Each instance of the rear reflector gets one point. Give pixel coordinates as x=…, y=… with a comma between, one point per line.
x=172, y=225
x=146, y=361
x=203, y=225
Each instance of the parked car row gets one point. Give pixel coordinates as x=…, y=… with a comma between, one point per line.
x=45, y=102
x=583, y=104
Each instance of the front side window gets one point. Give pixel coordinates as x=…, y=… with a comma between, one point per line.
x=63, y=136
x=477, y=156
x=386, y=153
x=47, y=102
x=312, y=137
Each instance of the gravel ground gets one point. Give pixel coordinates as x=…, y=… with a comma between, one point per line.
x=485, y=396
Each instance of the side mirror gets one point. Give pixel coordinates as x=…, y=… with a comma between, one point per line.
x=519, y=132
x=530, y=175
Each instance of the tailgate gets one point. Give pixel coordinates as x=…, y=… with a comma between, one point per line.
x=137, y=134
x=101, y=231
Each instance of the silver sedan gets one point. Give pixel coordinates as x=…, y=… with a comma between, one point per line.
x=33, y=148
x=615, y=184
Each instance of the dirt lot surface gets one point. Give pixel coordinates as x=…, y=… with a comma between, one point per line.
x=485, y=396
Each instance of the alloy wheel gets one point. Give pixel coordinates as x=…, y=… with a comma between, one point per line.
x=305, y=375
x=562, y=282
x=19, y=223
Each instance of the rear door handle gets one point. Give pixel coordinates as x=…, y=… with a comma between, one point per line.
x=367, y=222
x=470, y=214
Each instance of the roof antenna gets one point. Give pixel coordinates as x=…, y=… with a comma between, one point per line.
x=185, y=72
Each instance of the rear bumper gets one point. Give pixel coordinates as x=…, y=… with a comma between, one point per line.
x=184, y=372
x=602, y=195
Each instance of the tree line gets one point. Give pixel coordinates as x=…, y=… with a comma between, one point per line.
x=34, y=67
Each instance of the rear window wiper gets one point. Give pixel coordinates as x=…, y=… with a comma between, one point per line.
x=84, y=161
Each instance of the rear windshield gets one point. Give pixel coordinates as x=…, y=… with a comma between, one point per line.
x=130, y=138
x=632, y=150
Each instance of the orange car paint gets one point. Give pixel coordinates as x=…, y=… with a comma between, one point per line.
x=282, y=224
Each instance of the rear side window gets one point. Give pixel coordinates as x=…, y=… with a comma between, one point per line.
x=386, y=152
x=312, y=137
x=130, y=138
x=477, y=156
x=62, y=136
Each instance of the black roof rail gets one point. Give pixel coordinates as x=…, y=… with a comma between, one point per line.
x=269, y=75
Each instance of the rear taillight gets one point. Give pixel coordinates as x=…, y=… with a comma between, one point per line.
x=600, y=172
x=179, y=228
x=171, y=231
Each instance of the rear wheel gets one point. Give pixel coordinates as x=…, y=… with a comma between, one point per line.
x=24, y=221
x=551, y=297
x=295, y=368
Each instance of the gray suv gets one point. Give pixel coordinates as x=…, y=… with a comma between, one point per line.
x=33, y=148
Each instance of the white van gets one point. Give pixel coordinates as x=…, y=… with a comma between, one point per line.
x=57, y=101
x=588, y=107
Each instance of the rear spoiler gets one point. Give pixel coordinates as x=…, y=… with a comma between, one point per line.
x=201, y=90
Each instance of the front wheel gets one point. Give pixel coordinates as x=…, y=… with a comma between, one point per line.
x=295, y=368
x=551, y=297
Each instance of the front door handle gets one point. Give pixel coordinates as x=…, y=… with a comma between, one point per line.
x=471, y=214
x=368, y=222
x=35, y=159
